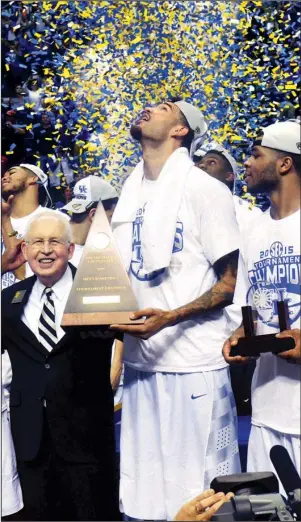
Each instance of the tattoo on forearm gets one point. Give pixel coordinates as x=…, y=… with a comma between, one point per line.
x=219, y=296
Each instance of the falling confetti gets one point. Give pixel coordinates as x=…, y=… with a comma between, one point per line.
x=102, y=62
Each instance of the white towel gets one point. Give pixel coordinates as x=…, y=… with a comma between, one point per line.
x=160, y=218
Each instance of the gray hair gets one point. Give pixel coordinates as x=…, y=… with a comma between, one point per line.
x=46, y=216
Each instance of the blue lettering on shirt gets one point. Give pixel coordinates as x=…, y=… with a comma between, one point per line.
x=275, y=277
x=137, y=258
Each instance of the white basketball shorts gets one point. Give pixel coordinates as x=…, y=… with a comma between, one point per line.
x=178, y=432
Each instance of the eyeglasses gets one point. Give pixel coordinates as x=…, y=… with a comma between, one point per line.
x=38, y=244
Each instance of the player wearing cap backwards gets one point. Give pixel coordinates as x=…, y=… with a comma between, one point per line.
x=217, y=162
x=178, y=236
x=25, y=193
x=270, y=271
x=86, y=195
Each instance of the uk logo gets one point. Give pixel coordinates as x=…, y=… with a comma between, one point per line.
x=137, y=258
x=82, y=189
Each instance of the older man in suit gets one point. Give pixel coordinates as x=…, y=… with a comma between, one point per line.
x=61, y=398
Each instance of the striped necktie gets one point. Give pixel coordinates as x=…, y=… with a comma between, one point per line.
x=47, y=329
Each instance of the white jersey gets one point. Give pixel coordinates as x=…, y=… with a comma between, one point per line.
x=269, y=272
x=206, y=230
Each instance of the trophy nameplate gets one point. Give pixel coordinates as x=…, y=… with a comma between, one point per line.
x=253, y=345
x=101, y=293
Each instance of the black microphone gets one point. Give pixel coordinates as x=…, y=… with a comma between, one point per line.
x=285, y=468
x=288, y=476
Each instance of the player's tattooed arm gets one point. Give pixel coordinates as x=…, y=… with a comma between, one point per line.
x=219, y=296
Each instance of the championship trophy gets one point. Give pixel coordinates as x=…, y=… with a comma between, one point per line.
x=253, y=345
x=101, y=293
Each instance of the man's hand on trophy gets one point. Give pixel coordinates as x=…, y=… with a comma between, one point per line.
x=294, y=355
x=155, y=320
x=232, y=341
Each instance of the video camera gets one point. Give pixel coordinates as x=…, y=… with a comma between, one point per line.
x=256, y=495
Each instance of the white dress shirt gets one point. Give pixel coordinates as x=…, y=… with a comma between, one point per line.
x=33, y=309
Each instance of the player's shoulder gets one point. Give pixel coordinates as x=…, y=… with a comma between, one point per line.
x=255, y=228
x=202, y=185
x=247, y=205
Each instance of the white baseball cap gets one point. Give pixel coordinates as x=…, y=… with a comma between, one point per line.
x=42, y=177
x=216, y=147
x=89, y=190
x=283, y=135
x=194, y=117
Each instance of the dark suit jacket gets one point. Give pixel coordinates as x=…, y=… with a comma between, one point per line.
x=74, y=379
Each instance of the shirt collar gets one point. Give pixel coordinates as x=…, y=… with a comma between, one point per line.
x=59, y=289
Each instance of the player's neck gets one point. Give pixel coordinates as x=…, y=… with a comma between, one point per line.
x=285, y=200
x=79, y=233
x=24, y=204
x=155, y=156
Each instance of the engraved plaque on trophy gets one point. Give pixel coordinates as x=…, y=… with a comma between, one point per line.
x=101, y=293
x=253, y=345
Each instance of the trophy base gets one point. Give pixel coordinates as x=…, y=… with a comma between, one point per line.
x=255, y=345
x=99, y=319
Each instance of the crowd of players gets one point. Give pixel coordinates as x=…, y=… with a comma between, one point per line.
x=194, y=254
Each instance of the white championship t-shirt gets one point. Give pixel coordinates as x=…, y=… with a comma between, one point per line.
x=270, y=271
x=206, y=230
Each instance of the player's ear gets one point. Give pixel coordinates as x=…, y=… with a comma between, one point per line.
x=179, y=131
x=230, y=177
x=91, y=214
x=33, y=180
x=284, y=165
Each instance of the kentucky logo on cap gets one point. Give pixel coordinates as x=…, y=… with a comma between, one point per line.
x=82, y=189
